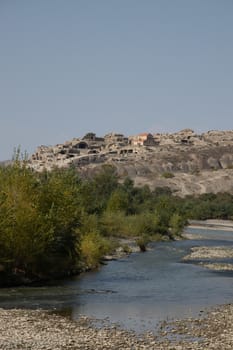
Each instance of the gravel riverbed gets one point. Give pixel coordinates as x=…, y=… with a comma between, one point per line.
x=201, y=255
x=37, y=329
x=221, y=252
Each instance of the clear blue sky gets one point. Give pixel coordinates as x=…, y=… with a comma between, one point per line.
x=72, y=66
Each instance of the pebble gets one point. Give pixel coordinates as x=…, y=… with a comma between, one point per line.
x=37, y=330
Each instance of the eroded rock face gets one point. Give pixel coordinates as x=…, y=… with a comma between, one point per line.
x=198, y=163
x=226, y=160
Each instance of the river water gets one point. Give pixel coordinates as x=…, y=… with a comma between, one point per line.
x=139, y=291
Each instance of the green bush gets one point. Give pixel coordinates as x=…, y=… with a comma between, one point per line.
x=38, y=217
x=176, y=224
x=54, y=223
x=93, y=247
x=167, y=175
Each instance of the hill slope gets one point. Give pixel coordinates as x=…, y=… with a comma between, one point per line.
x=186, y=162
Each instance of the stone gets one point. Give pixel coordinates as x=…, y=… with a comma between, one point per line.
x=201, y=163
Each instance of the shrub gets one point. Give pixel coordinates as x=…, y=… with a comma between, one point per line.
x=167, y=175
x=38, y=217
x=177, y=223
x=93, y=247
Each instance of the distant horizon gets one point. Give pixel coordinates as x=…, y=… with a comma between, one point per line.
x=102, y=135
x=127, y=65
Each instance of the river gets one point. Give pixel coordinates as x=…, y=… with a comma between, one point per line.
x=139, y=291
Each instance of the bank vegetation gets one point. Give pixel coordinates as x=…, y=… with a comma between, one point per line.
x=54, y=224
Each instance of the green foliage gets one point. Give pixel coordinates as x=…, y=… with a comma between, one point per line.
x=167, y=175
x=115, y=224
x=89, y=223
x=208, y=206
x=93, y=246
x=162, y=191
x=164, y=208
x=19, y=222
x=176, y=223
x=118, y=201
x=122, y=225
x=38, y=217
x=146, y=223
x=55, y=223
x=126, y=248
x=95, y=192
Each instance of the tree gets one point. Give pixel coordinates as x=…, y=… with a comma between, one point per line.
x=95, y=192
x=118, y=201
x=38, y=220
x=176, y=224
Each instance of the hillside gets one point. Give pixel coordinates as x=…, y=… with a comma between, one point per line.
x=186, y=162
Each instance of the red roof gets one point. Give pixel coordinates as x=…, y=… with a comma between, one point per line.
x=143, y=134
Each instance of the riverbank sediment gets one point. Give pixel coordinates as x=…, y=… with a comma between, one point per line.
x=37, y=329
x=28, y=329
x=216, y=258
x=212, y=224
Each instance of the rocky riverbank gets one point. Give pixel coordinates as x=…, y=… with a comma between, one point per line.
x=213, y=258
x=199, y=253
x=212, y=224
x=28, y=329
x=216, y=258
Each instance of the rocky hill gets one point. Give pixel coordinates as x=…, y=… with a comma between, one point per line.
x=186, y=162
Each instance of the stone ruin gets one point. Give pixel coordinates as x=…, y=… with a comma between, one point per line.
x=116, y=147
